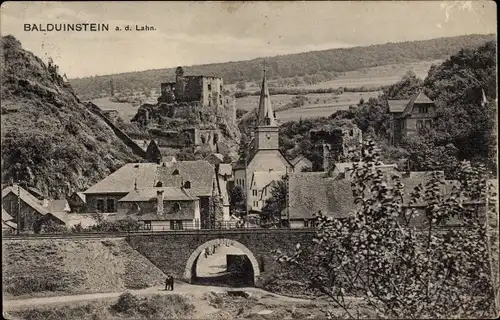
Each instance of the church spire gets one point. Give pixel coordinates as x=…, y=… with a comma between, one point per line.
x=265, y=112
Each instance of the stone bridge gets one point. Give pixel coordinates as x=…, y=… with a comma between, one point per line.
x=176, y=253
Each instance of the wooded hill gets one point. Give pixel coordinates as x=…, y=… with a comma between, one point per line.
x=291, y=65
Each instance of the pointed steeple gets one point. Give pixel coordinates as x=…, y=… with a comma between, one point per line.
x=265, y=112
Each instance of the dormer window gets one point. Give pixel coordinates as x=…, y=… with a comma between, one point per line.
x=175, y=173
x=176, y=207
x=187, y=185
x=268, y=121
x=159, y=184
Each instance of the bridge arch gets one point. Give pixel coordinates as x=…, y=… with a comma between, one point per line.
x=193, y=258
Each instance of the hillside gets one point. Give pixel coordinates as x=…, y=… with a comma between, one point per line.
x=286, y=66
x=48, y=267
x=49, y=139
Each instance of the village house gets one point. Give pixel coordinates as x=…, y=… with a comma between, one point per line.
x=265, y=158
x=31, y=212
x=300, y=163
x=191, y=188
x=331, y=194
x=410, y=117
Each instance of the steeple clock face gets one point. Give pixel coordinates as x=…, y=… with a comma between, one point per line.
x=268, y=136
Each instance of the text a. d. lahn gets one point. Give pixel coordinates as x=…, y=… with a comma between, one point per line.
x=83, y=27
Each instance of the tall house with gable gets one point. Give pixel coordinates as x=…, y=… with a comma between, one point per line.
x=265, y=163
x=410, y=117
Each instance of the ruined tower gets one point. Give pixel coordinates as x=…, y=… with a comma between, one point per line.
x=179, y=83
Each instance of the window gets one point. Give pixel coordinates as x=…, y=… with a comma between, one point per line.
x=306, y=223
x=175, y=173
x=147, y=224
x=424, y=109
x=187, y=185
x=100, y=205
x=110, y=205
x=420, y=124
x=256, y=203
x=428, y=124
x=209, y=87
x=159, y=184
x=254, y=192
x=176, y=225
x=177, y=207
x=351, y=132
x=265, y=192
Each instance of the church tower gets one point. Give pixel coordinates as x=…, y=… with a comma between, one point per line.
x=267, y=131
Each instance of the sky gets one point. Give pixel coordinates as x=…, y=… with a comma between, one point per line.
x=188, y=33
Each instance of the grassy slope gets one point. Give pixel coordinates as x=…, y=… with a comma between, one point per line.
x=155, y=307
x=54, y=267
x=47, y=132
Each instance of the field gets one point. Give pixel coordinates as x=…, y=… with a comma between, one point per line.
x=376, y=76
x=317, y=105
x=54, y=267
x=126, y=110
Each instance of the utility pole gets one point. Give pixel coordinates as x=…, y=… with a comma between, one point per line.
x=18, y=204
x=286, y=198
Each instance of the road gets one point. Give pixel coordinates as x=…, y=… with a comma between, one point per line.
x=180, y=288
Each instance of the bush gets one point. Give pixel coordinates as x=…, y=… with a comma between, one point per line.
x=127, y=303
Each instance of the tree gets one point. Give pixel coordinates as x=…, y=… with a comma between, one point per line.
x=241, y=85
x=276, y=203
x=409, y=85
x=296, y=81
x=237, y=198
x=400, y=267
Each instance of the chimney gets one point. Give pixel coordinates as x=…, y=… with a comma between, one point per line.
x=159, y=202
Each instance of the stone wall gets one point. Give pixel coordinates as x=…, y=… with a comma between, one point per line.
x=171, y=252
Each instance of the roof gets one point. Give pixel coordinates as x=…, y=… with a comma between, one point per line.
x=150, y=194
x=241, y=162
x=200, y=173
x=81, y=195
x=225, y=169
x=397, y=105
x=26, y=197
x=37, y=193
x=342, y=167
x=9, y=225
x=215, y=158
x=124, y=179
x=310, y=192
x=61, y=216
x=265, y=110
x=6, y=216
x=299, y=158
x=58, y=206
x=263, y=178
x=407, y=105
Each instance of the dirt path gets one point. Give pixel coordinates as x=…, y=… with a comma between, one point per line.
x=180, y=288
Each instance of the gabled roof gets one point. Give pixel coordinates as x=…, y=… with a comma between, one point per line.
x=397, y=105
x=9, y=225
x=123, y=179
x=261, y=179
x=26, y=197
x=241, y=162
x=310, y=192
x=215, y=158
x=299, y=158
x=405, y=106
x=150, y=194
x=37, y=193
x=199, y=173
